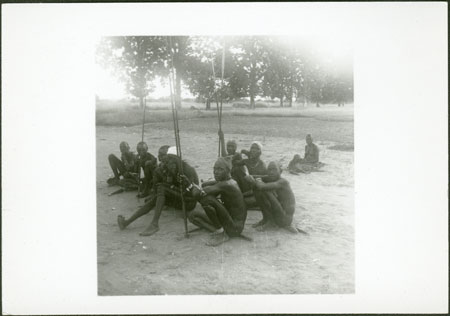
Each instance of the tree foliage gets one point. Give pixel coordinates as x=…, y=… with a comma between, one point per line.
x=264, y=66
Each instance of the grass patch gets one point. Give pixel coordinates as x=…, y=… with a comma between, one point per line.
x=343, y=147
x=160, y=111
x=133, y=117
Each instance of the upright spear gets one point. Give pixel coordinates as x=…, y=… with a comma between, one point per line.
x=142, y=140
x=177, y=135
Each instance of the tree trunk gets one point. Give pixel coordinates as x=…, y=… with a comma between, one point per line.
x=252, y=88
x=281, y=95
x=252, y=100
x=208, y=104
x=252, y=91
x=178, y=91
x=291, y=92
x=141, y=102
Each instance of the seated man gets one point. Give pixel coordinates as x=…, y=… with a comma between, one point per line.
x=147, y=162
x=125, y=166
x=311, y=158
x=237, y=171
x=167, y=187
x=223, y=203
x=276, y=199
x=252, y=166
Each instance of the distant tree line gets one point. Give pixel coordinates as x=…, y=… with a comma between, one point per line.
x=263, y=66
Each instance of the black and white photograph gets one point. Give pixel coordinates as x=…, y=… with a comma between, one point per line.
x=224, y=158
x=262, y=202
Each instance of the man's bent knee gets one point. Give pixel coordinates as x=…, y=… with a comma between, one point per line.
x=112, y=157
x=208, y=200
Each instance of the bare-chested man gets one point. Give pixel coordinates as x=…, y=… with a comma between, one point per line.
x=238, y=171
x=276, y=199
x=167, y=183
x=125, y=166
x=310, y=159
x=223, y=204
x=252, y=166
x=148, y=163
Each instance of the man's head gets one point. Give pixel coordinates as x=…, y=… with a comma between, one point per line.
x=222, y=169
x=274, y=171
x=255, y=150
x=124, y=147
x=309, y=139
x=162, y=154
x=173, y=163
x=231, y=147
x=142, y=148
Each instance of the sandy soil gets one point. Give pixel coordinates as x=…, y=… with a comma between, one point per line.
x=276, y=262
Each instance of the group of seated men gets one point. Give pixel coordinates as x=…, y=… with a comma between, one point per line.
x=239, y=184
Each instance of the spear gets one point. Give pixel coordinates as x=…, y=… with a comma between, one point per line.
x=142, y=140
x=177, y=136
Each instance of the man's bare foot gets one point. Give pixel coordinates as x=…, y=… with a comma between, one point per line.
x=217, y=239
x=260, y=223
x=246, y=237
x=112, y=181
x=150, y=230
x=266, y=226
x=217, y=232
x=291, y=229
x=121, y=222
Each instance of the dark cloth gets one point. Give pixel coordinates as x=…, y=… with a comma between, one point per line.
x=172, y=198
x=189, y=172
x=129, y=184
x=164, y=184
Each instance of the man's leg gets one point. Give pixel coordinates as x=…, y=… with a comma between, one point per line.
x=160, y=202
x=219, y=215
x=144, y=209
x=250, y=201
x=279, y=214
x=208, y=203
x=147, y=181
x=265, y=206
x=117, y=167
x=200, y=219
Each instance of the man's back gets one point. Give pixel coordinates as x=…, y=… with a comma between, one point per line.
x=311, y=153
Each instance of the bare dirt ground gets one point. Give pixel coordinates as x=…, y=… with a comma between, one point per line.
x=276, y=262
